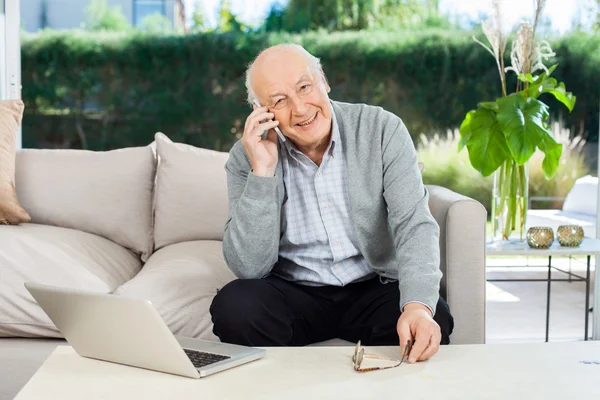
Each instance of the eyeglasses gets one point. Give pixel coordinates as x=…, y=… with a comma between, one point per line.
x=360, y=355
x=303, y=90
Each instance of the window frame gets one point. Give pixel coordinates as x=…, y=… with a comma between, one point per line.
x=134, y=9
x=10, y=53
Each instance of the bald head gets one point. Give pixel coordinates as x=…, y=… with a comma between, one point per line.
x=273, y=60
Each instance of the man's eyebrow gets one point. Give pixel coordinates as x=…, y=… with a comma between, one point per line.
x=303, y=78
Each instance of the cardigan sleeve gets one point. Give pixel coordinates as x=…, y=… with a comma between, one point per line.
x=415, y=231
x=251, y=239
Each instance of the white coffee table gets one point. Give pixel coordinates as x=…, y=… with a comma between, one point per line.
x=589, y=247
x=499, y=371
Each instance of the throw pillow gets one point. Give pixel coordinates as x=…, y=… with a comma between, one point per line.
x=11, y=115
x=107, y=193
x=191, y=193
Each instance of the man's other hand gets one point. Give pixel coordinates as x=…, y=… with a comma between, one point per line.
x=417, y=324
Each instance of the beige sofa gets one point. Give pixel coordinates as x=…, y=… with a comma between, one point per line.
x=148, y=222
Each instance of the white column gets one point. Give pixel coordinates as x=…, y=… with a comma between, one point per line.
x=596, y=302
x=11, y=54
x=3, y=91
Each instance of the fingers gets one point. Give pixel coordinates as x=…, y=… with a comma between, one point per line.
x=261, y=128
x=259, y=118
x=433, y=348
x=257, y=127
x=404, y=334
x=252, y=117
x=422, y=338
x=252, y=114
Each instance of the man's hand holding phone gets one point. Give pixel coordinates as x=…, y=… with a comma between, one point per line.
x=262, y=153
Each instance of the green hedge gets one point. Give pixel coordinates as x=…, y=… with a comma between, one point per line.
x=104, y=91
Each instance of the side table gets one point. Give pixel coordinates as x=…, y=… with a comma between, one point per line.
x=589, y=247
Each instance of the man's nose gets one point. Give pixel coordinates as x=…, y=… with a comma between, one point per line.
x=298, y=105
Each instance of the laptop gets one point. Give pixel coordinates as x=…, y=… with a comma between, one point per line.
x=130, y=331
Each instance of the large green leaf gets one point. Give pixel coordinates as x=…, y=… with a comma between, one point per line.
x=544, y=84
x=523, y=123
x=490, y=105
x=560, y=92
x=553, y=151
x=487, y=145
x=465, y=130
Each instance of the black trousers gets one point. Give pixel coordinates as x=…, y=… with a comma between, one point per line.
x=276, y=312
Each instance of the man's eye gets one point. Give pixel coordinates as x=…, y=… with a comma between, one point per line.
x=304, y=87
x=278, y=101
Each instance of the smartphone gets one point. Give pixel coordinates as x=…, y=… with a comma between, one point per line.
x=264, y=136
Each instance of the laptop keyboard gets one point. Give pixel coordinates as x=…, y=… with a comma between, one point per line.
x=200, y=359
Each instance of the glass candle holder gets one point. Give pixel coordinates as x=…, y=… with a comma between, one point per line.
x=570, y=235
x=540, y=237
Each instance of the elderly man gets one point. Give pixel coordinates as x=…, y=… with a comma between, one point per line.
x=329, y=228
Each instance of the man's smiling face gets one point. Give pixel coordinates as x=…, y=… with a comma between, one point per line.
x=285, y=81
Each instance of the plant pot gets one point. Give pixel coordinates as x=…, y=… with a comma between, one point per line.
x=510, y=197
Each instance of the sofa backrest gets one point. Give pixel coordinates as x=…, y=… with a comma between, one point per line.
x=143, y=198
x=583, y=196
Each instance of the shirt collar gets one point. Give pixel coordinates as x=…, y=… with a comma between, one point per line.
x=335, y=137
x=335, y=134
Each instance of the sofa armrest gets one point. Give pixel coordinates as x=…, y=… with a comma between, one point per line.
x=462, y=222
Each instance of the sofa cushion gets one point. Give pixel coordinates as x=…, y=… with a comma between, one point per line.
x=582, y=197
x=59, y=257
x=105, y=193
x=11, y=114
x=191, y=193
x=181, y=281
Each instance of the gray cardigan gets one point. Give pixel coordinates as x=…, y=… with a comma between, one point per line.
x=395, y=230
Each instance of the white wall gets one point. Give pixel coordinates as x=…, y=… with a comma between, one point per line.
x=3, y=92
x=10, y=53
x=13, y=49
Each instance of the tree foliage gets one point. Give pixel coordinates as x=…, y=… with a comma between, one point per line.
x=109, y=90
x=100, y=17
x=339, y=15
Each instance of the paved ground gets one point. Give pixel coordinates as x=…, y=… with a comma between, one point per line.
x=516, y=311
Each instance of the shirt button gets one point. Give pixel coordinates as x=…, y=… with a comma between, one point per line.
x=337, y=265
x=337, y=243
x=325, y=207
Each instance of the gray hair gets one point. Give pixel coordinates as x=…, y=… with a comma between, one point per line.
x=313, y=62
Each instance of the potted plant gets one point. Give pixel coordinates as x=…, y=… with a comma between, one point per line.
x=502, y=135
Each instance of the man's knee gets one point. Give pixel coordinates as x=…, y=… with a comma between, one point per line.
x=444, y=319
x=237, y=304
x=248, y=312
